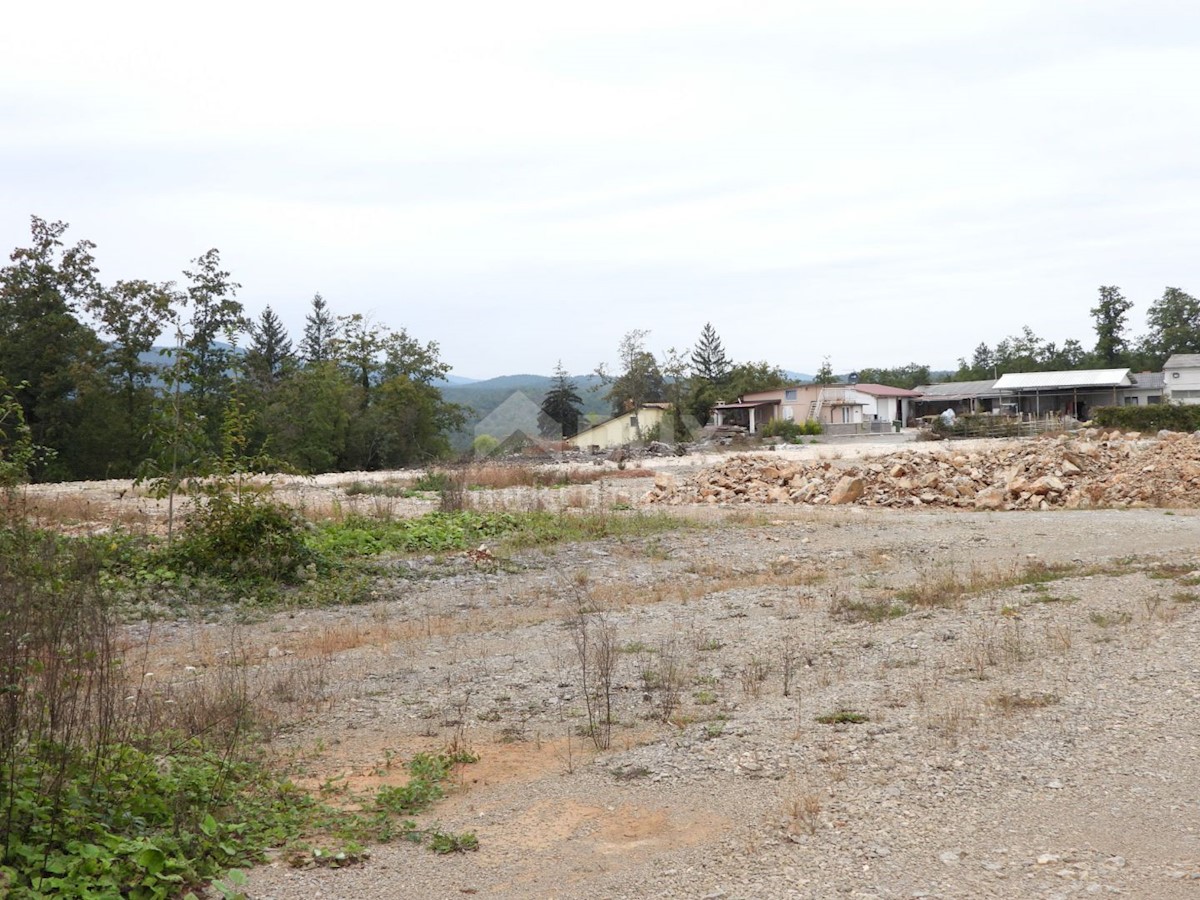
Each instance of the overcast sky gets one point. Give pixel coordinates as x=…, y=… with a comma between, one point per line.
x=879, y=182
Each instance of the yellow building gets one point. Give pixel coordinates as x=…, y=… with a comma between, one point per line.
x=627, y=428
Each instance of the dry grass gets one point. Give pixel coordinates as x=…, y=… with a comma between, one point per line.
x=949, y=587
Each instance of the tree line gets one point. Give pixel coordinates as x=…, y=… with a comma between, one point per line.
x=1173, y=321
x=78, y=361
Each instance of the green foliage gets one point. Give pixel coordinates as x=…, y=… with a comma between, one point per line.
x=1174, y=322
x=751, y=377
x=825, y=373
x=791, y=430
x=17, y=451
x=484, y=445
x=843, y=716
x=561, y=407
x=439, y=532
x=640, y=380
x=907, y=377
x=709, y=361
x=1109, y=314
x=243, y=537
x=1024, y=352
x=44, y=347
x=1148, y=418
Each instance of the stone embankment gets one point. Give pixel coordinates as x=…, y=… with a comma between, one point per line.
x=1091, y=468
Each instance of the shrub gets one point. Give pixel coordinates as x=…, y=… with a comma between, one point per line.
x=791, y=430
x=1148, y=418
x=788, y=429
x=245, y=538
x=484, y=445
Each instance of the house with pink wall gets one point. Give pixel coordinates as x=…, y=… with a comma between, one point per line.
x=838, y=407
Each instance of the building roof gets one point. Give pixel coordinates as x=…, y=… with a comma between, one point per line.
x=746, y=404
x=958, y=390
x=1149, y=380
x=1075, y=378
x=1182, y=361
x=883, y=390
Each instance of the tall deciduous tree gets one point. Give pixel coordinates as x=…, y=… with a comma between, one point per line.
x=133, y=314
x=207, y=363
x=561, y=407
x=825, y=373
x=44, y=347
x=1174, y=320
x=640, y=380
x=1109, y=315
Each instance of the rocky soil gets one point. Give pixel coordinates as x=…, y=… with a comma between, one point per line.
x=1089, y=469
x=809, y=700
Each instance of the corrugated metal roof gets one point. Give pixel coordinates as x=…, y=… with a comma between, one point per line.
x=957, y=390
x=1148, y=380
x=1183, y=361
x=1077, y=378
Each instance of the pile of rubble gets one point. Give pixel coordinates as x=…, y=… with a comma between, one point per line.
x=1092, y=468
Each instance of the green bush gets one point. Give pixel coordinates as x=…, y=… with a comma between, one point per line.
x=1148, y=418
x=791, y=430
x=484, y=445
x=243, y=538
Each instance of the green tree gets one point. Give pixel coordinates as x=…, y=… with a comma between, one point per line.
x=561, y=407
x=825, y=373
x=752, y=377
x=709, y=361
x=320, y=331
x=269, y=356
x=981, y=367
x=640, y=380
x=360, y=348
x=45, y=350
x=1174, y=320
x=309, y=418
x=206, y=364
x=1109, y=314
x=907, y=377
x=134, y=315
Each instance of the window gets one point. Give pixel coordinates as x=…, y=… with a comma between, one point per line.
x=1154, y=399
x=789, y=394
x=1131, y=401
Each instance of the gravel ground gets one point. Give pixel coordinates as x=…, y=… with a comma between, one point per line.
x=1026, y=739
x=1026, y=732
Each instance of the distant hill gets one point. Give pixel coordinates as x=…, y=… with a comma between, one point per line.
x=797, y=377
x=451, y=380
x=482, y=397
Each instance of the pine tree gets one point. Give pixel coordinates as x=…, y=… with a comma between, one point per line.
x=320, y=330
x=708, y=359
x=561, y=406
x=270, y=352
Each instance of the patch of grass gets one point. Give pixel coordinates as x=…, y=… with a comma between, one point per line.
x=1108, y=620
x=1015, y=701
x=948, y=588
x=438, y=532
x=864, y=610
x=843, y=716
x=1185, y=597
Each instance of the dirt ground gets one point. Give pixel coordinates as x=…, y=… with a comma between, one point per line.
x=806, y=703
